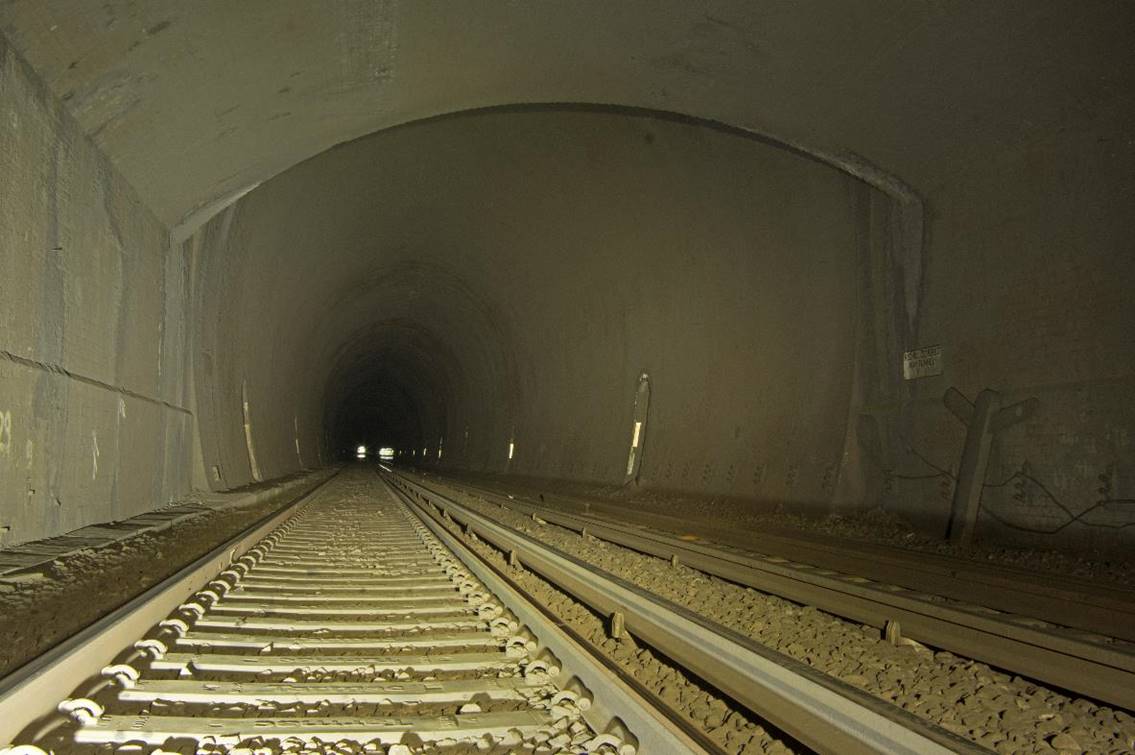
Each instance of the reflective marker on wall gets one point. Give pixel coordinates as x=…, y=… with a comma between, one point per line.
x=253, y=467
x=638, y=430
x=634, y=448
x=296, y=425
x=5, y=432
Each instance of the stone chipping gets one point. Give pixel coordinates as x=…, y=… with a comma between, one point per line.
x=42, y=607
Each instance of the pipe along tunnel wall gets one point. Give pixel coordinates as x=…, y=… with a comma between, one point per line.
x=502, y=278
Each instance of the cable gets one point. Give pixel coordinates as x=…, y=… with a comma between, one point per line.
x=938, y=471
x=1072, y=518
x=942, y=472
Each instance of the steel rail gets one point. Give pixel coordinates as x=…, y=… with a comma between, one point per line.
x=1089, y=664
x=654, y=734
x=817, y=710
x=30, y=692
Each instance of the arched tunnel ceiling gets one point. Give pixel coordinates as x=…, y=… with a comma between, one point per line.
x=198, y=102
x=510, y=272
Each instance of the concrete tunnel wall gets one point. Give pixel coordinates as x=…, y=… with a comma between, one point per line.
x=996, y=137
x=93, y=417
x=93, y=424
x=421, y=258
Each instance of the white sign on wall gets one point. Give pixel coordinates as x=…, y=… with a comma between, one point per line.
x=921, y=363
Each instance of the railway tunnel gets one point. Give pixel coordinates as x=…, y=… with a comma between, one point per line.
x=860, y=272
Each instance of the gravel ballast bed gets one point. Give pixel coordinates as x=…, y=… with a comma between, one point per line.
x=994, y=709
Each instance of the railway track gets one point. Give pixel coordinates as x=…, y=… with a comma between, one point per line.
x=1091, y=664
x=358, y=621
x=350, y=622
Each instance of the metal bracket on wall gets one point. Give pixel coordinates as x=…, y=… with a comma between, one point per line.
x=982, y=418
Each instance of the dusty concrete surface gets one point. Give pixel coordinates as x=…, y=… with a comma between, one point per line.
x=996, y=710
x=40, y=608
x=93, y=423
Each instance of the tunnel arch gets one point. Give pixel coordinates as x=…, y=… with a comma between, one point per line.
x=141, y=132
x=499, y=367
x=399, y=365
x=892, y=185
x=423, y=248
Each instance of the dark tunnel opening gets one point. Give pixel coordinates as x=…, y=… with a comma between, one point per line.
x=390, y=386
x=377, y=414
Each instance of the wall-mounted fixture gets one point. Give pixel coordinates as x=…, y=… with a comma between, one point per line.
x=638, y=429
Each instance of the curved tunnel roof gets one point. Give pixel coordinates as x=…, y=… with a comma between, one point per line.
x=198, y=102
